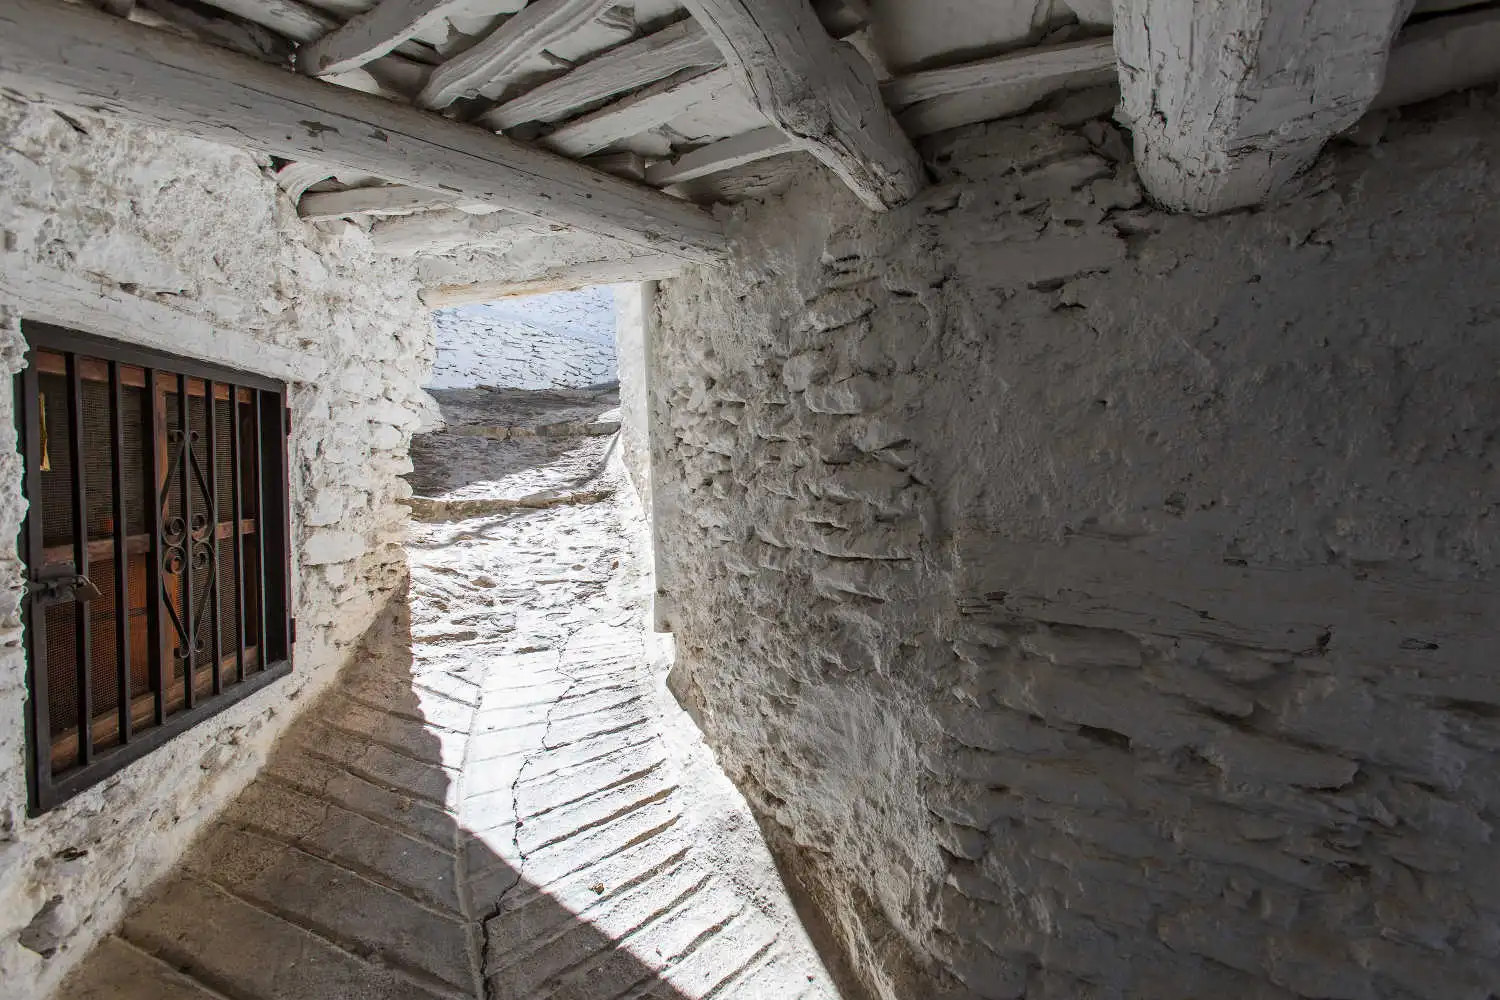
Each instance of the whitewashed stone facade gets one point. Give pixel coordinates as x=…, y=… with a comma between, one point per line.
x=189, y=247
x=1097, y=603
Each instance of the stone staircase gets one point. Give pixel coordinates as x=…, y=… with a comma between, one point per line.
x=493, y=802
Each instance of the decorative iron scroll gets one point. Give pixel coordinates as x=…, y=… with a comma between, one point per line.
x=182, y=546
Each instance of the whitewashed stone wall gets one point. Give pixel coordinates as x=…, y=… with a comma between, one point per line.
x=1097, y=603
x=189, y=247
x=558, y=340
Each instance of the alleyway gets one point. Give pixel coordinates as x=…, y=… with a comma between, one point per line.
x=496, y=800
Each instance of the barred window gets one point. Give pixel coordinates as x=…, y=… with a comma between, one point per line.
x=156, y=550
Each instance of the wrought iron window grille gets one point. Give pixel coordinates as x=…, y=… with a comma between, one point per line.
x=146, y=609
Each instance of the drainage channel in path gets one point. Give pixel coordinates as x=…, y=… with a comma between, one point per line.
x=497, y=800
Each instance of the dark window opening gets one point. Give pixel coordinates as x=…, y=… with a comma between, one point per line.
x=156, y=550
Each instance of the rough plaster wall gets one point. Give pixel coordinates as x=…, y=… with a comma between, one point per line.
x=188, y=245
x=1098, y=603
x=633, y=304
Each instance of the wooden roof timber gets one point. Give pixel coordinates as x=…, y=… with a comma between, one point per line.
x=643, y=61
x=78, y=55
x=820, y=92
x=528, y=33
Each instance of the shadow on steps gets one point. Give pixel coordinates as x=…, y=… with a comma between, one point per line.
x=367, y=861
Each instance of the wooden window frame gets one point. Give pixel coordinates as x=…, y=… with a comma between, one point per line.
x=211, y=678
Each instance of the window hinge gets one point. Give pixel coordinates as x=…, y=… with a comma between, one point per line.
x=294, y=631
x=288, y=424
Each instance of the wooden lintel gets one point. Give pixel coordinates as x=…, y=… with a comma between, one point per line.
x=820, y=92
x=76, y=55
x=648, y=267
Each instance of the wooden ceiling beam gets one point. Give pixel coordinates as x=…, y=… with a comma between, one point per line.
x=528, y=33
x=390, y=199
x=716, y=157
x=372, y=34
x=934, y=100
x=1228, y=101
x=635, y=64
x=1441, y=55
x=820, y=92
x=77, y=55
x=635, y=113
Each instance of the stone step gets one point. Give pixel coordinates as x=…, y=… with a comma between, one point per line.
x=596, y=931
x=320, y=778
x=410, y=737
x=245, y=952
x=360, y=915
x=652, y=819
x=532, y=912
x=565, y=776
x=117, y=970
x=644, y=952
x=723, y=955
x=553, y=825
x=350, y=840
x=374, y=763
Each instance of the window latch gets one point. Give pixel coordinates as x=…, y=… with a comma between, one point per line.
x=63, y=587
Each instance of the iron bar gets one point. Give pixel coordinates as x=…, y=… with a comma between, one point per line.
x=260, y=534
x=122, y=553
x=185, y=493
x=39, y=717
x=237, y=503
x=156, y=461
x=211, y=408
x=81, y=608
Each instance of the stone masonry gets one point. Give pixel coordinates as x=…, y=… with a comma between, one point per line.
x=1097, y=603
x=190, y=247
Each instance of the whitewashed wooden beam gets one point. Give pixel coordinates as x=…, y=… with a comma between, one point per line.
x=301, y=22
x=1228, y=101
x=939, y=99
x=296, y=21
x=446, y=231
x=295, y=178
x=535, y=27
x=392, y=199
x=646, y=60
x=76, y=55
x=371, y=34
x=1442, y=55
x=1044, y=64
x=623, y=163
x=648, y=267
x=820, y=92
x=642, y=110
x=726, y=154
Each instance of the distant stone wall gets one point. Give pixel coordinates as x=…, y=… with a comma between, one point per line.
x=1100, y=603
x=189, y=247
x=553, y=341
